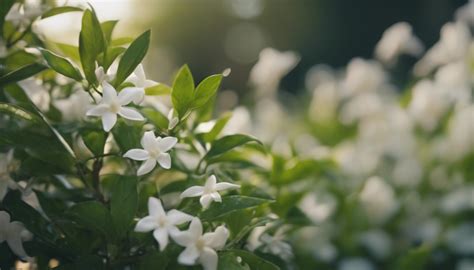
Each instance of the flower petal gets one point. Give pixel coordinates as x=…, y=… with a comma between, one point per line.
x=131, y=114
x=182, y=238
x=177, y=217
x=208, y=259
x=14, y=239
x=166, y=143
x=146, y=224
x=218, y=238
x=129, y=94
x=137, y=154
x=155, y=208
x=108, y=121
x=205, y=200
x=195, y=228
x=146, y=167
x=193, y=191
x=189, y=255
x=148, y=141
x=98, y=110
x=161, y=235
x=4, y=218
x=210, y=182
x=109, y=93
x=225, y=185
x=216, y=197
x=164, y=160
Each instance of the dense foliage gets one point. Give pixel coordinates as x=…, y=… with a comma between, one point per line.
x=102, y=168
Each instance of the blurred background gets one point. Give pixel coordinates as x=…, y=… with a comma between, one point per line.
x=211, y=35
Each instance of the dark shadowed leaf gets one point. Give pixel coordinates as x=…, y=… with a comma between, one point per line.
x=231, y=204
x=22, y=73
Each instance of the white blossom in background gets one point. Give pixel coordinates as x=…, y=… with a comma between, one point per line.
x=154, y=151
x=75, y=107
x=325, y=102
x=459, y=140
x=378, y=199
x=112, y=104
x=201, y=248
x=378, y=242
x=6, y=166
x=13, y=233
x=276, y=244
x=36, y=92
x=465, y=13
x=465, y=264
x=458, y=200
x=163, y=224
x=22, y=14
x=318, y=75
x=453, y=45
x=271, y=67
x=172, y=119
x=427, y=105
x=209, y=192
x=355, y=263
x=460, y=239
x=397, y=40
x=454, y=81
x=363, y=76
x=318, y=207
x=138, y=78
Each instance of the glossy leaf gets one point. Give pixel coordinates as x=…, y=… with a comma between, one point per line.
x=227, y=143
x=60, y=10
x=91, y=44
x=206, y=89
x=61, y=65
x=183, y=91
x=108, y=29
x=22, y=73
x=132, y=57
x=123, y=202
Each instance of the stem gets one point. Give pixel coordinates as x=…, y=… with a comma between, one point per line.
x=96, y=167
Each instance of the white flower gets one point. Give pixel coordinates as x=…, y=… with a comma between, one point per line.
x=363, y=76
x=113, y=104
x=172, y=120
x=208, y=192
x=13, y=233
x=5, y=169
x=37, y=93
x=396, y=40
x=271, y=67
x=201, y=248
x=154, y=150
x=161, y=223
x=378, y=199
x=138, y=78
x=75, y=106
x=22, y=14
x=276, y=244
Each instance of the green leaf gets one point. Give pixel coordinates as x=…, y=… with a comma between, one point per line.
x=217, y=128
x=123, y=202
x=52, y=207
x=158, y=90
x=18, y=112
x=59, y=10
x=156, y=117
x=231, y=204
x=132, y=57
x=5, y=6
x=94, y=139
x=206, y=89
x=415, y=259
x=228, y=260
x=182, y=94
x=227, y=143
x=108, y=28
x=127, y=135
x=94, y=216
x=61, y=65
x=91, y=44
x=121, y=41
x=22, y=73
x=69, y=50
x=110, y=56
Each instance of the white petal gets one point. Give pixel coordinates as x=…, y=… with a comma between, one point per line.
x=210, y=182
x=161, y=235
x=216, y=197
x=4, y=218
x=129, y=94
x=164, y=160
x=108, y=121
x=140, y=73
x=166, y=143
x=205, y=200
x=3, y=188
x=146, y=224
x=131, y=114
x=14, y=239
x=149, y=83
x=155, y=208
x=195, y=228
x=193, y=191
x=146, y=167
x=182, y=238
x=98, y=110
x=177, y=217
x=218, y=238
x=189, y=255
x=148, y=141
x=225, y=185
x=208, y=258
x=137, y=154
x=109, y=93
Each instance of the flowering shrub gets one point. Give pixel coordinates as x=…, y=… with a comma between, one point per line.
x=102, y=168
